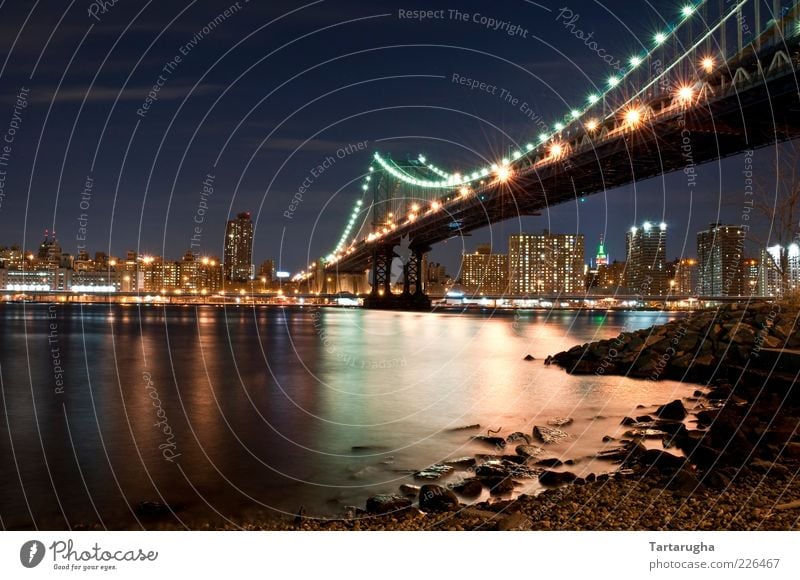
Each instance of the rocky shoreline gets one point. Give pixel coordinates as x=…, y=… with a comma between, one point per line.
x=728, y=459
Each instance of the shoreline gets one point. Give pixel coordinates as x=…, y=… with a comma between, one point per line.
x=738, y=443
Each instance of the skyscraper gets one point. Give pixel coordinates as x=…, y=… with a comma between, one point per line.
x=646, y=269
x=238, y=257
x=720, y=251
x=686, y=277
x=485, y=273
x=545, y=263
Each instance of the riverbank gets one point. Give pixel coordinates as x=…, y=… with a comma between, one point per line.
x=727, y=462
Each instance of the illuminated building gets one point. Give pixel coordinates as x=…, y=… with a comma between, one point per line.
x=719, y=253
x=546, y=263
x=646, y=271
x=238, y=255
x=484, y=273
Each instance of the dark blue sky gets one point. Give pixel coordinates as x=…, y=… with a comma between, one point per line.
x=263, y=96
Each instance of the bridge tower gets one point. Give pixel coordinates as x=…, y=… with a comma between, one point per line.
x=396, y=264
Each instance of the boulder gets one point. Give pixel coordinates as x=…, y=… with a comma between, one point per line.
x=468, y=487
x=409, y=490
x=549, y=435
x=555, y=478
x=560, y=421
x=493, y=441
x=384, y=504
x=674, y=411
x=434, y=471
x=461, y=462
x=529, y=357
x=491, y=469
x=518, y=436
x=528, y=450
x=627, y=421
x=661, y=460
x=436, y=498
x=549, y=462
x=498, y=485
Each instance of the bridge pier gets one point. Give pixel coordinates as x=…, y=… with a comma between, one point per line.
x=381, y=296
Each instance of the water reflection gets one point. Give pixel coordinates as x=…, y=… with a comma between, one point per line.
x=270, y=409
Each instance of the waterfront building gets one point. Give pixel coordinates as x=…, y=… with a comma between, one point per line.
x=484, y=273
x=238, y=252
x=686, y=277
x=720, y=250
x=646, y=250
x=546, y=264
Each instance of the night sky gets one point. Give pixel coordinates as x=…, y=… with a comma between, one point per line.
x=260, y=99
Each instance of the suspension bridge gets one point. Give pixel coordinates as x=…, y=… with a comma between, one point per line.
x=729, y=85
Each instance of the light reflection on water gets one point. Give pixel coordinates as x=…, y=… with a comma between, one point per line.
x=265, y=406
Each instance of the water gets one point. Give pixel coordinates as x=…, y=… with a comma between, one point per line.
x=241, y=413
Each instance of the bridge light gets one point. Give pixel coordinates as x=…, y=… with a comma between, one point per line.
x=633, y=117
x=484, y=172
x=435, y=205
x=504, y=161
x=575, y=113
x=708, y=64
x=613, y=81
x=464, y=191
x=647, y=226
x=662, y=226
x=542, y=138
x=593, y=98
x=504, y=174
x=414, y=207
x=591, y=125
x=359, y=202
x=365, y=187
x=412, y=217
x=687, y=10
x=635, y=61
x=556, y=149
x=529, y=147
x=422, y=159
x=516, y=154
x=685, y=93
x=659, y=38
x=559, y=126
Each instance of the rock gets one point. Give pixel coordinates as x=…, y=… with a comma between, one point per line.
x=674, y=411
x=644, y=419
x=661, y=460
x=528, y=450
x=683, y=483
x=409, y=490
x=763, y=467
x=498, y=485
x=792, y=450
x=717, y=479
x=437, y=498
x=491, y=469
x=607, y=438
x=560, y=421
x=434, y=471
x=516, y=459
x=529, y=357
x=469, y=487
x=461, y=462
x=549, y=435
x=152, y=509
x=646, y=433
x=792, y=505
x=385, y=504
x=466, y=427
x=627, y=421
x=590, y=478
x=515, y=521
x=494, y=441
x=518, y=436
x=549, y=462
x=556, y=478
